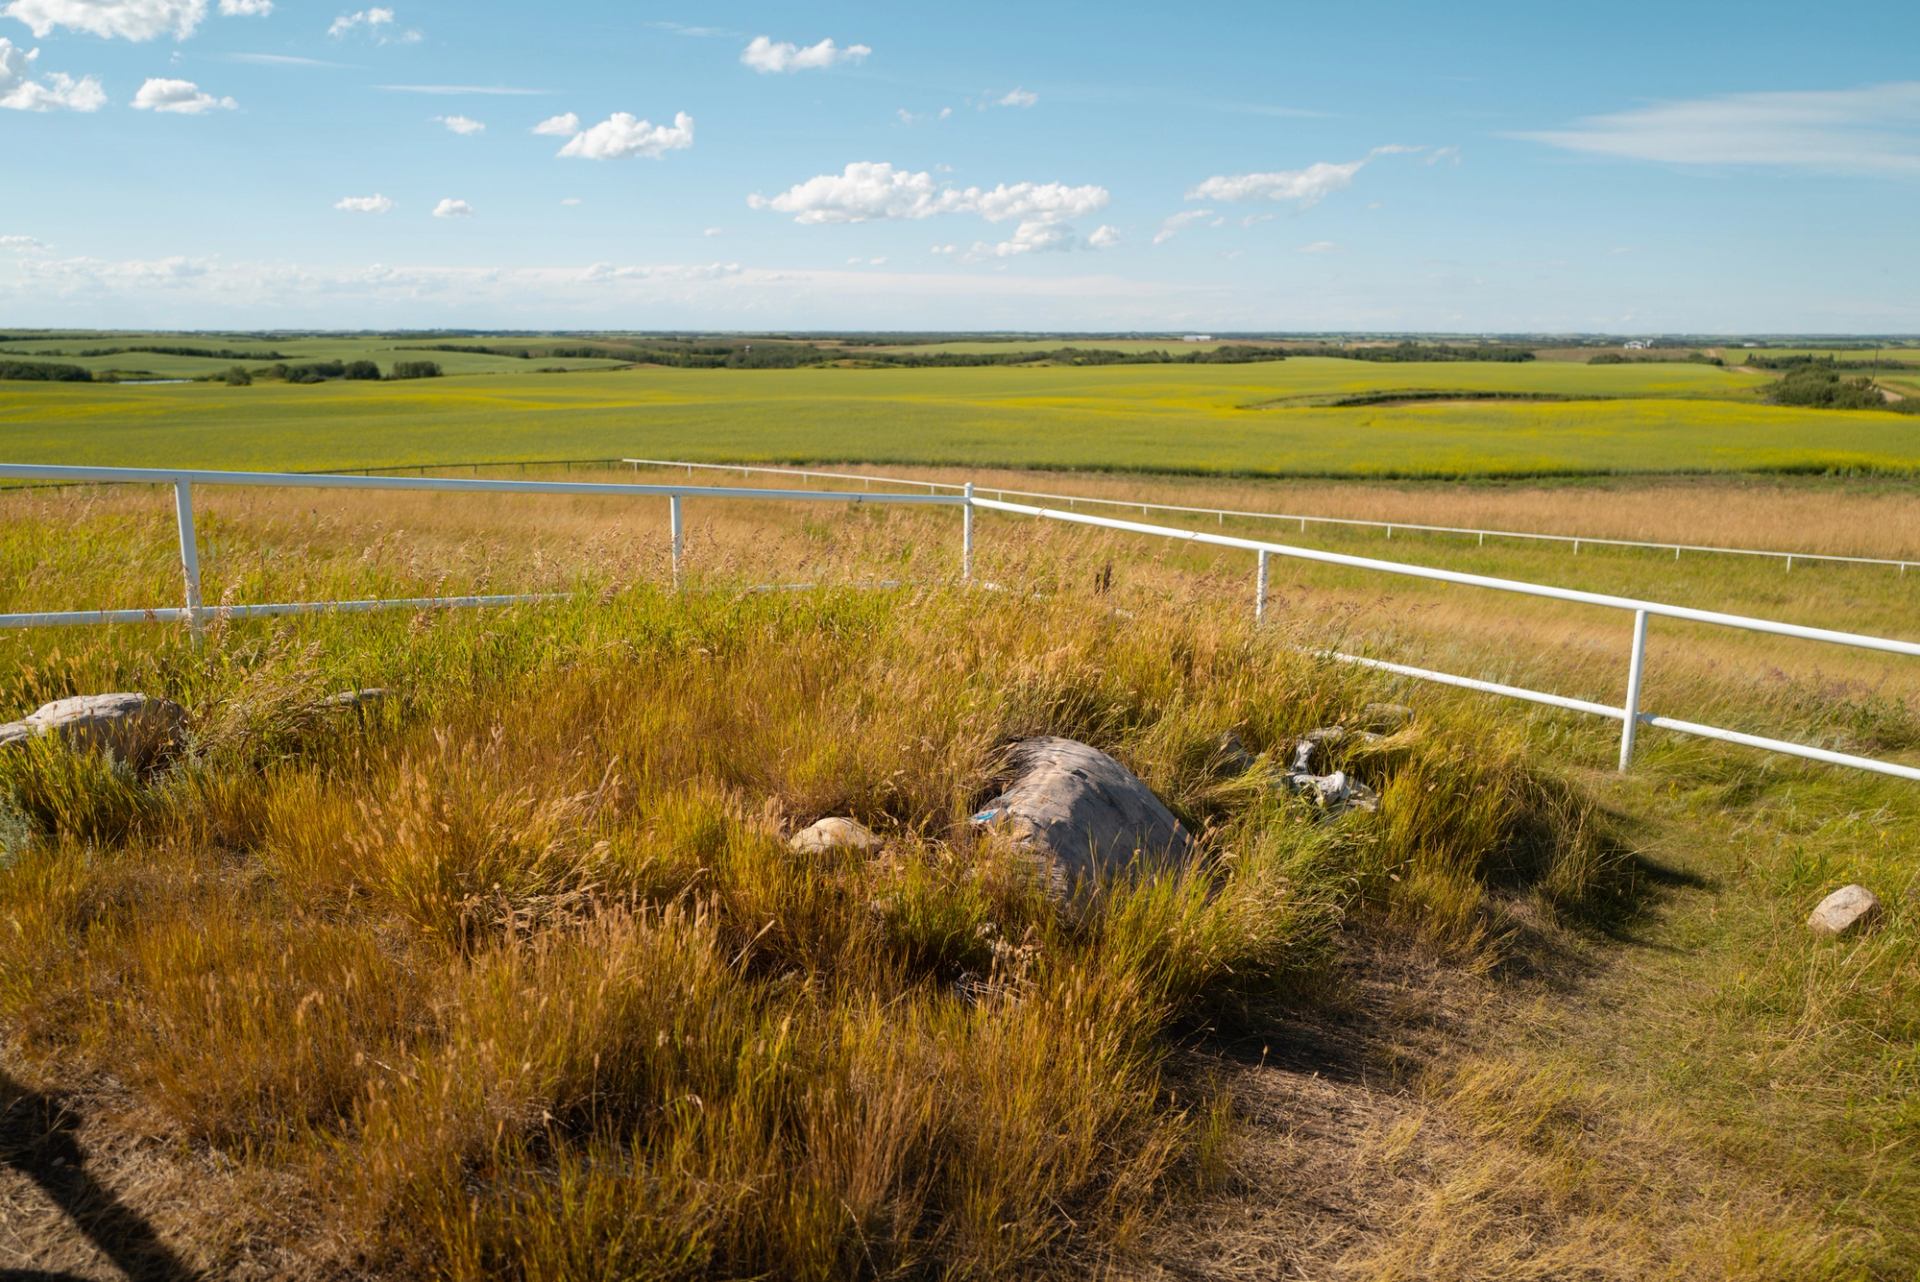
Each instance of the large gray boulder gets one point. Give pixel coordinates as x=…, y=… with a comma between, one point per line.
x=1083, y=814
x=135, y=728
x=1846, y=909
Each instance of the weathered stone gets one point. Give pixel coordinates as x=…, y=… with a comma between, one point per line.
x=834, y=833
x=135, y=728
x=1335, y=792
x=1084, y=814
x=1844, y=910
x=1385, y=718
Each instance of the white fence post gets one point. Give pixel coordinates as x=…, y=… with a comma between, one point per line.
x=966, y=534
x=1632, y=707
x=189, y=550
x=679, y=534
x=1260, y=590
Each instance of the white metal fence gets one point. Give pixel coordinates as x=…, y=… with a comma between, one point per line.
x=1075, y=501
x=1629, y=713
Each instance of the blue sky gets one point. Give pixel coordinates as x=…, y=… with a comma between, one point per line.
x=1623, y=168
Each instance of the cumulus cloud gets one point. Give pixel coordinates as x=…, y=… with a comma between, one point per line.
x=451, y=208
x=1303, y=187
x=1017, y=98
x=374, y=204
x=246, y=8
x=124, y=19
x=379, y=24
x=564, y=125
x=571, y=201
x=21, y=244
x=178, y=97
x=1174, y=224
x=1104, y=236
x=874, y=190
x=766, y=55
x=1870, y=130
x=621, y=135
x=55, y=91
x=711, y=232
x=463, y=125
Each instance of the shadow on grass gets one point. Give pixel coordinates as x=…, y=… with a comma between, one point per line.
x=37, y=1139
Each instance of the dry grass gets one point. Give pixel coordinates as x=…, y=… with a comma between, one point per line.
x=513, y=975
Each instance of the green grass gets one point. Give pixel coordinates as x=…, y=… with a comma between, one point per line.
x=1247, y=419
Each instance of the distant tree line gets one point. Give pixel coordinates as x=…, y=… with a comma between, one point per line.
x=1621, y=358
x=762, y=354
x=350, y=371
x=45, y=372
x=1799, y=361
x=1416, y=352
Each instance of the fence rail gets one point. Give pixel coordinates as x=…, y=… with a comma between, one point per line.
x=1074, y=501
x=968, y=500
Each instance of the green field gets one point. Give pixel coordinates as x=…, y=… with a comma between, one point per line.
x=266, y=351
x=1252, y=419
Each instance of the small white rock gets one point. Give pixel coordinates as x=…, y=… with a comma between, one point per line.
x=1843, y=910
x=834, y=833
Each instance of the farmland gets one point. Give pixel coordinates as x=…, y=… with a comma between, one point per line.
x=1260, y=419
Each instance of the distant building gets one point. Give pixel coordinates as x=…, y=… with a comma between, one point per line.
x=1196, y=338
x=1637, y=344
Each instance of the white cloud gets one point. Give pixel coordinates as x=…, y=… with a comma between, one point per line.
x=285, y=60
x=246, y=8
x=465, y=126
x=944, y=250
x=571, y=201
x=380, y=24
x=766, y=55
x=56, y=91
x=180, y=97
x=1303, y=187
x=1870, y=130
x=125, y=19
x=1017, y=98
x=874, y=190
x=22, y=244
x=1104, y=236
x=1443, y=155
x=1318, y=247
x=621, y=135
x=374, y=204
x=564, y=125
x=451, y=208
x=605, y=273
x=711, y=232
x=1174, y=224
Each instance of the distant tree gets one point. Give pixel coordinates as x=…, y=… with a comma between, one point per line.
x=237, y=376
x=415, y=369
x=362, y=371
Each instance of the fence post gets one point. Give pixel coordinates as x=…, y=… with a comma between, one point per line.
x=189, y=551
x=679, y=534
x=966, y=535
x=1260, y=590
x=1634, y=666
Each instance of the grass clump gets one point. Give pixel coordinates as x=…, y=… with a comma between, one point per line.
x=514, y=975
